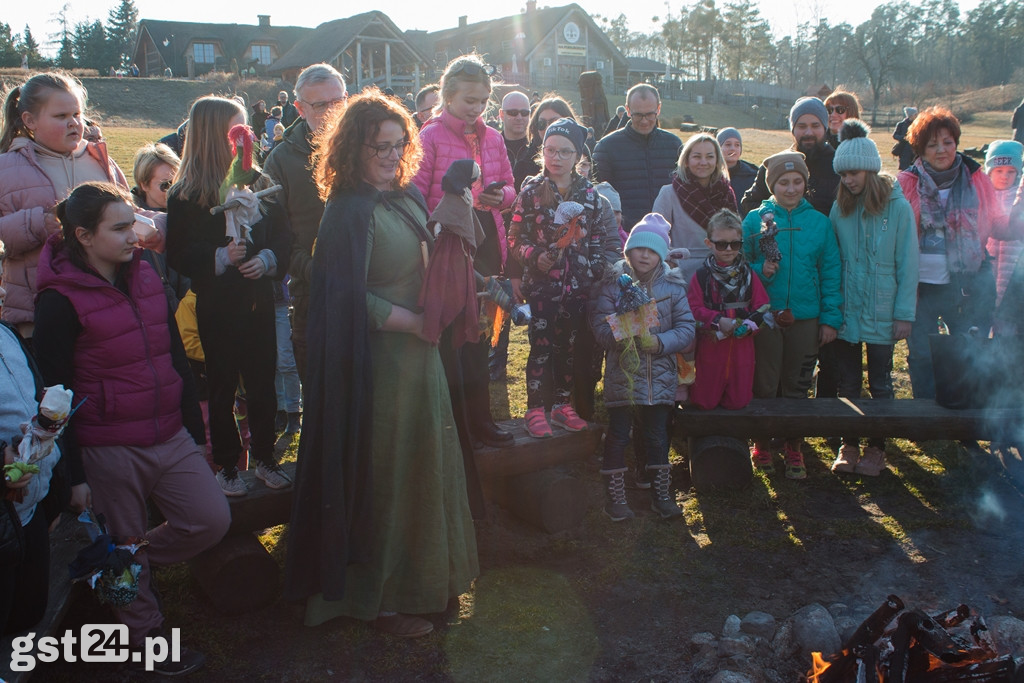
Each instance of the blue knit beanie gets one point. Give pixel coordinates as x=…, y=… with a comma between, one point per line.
x=729, y=134
x=651, y=232
x=856, y=151
x=1004, y=153
x=808, y=105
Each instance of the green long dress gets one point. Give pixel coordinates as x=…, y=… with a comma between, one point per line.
x=424, y=547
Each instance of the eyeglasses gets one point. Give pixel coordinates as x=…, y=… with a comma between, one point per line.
x=647, y=116
x=384, y=151
x=562, y=154
x=726, y=245
x=836, y=109
x=517, y=112
x=166, y=185
x=321, y=107
x=544, y=123
x=475, y=69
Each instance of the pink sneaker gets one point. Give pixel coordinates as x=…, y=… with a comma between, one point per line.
x=565, y=417
x=536, y=424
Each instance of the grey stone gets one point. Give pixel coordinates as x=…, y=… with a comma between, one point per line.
x=784, y=644
x=736, y=645
x=699, y=642
x=730, y=677
x=759, y=624
x=845, y=626
x=839, y=609
x=815, y=631
x=731, y=626
x=1008, y=634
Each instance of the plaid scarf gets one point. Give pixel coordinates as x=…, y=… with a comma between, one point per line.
x=958, y=217
x=733, y=279
x=701, y=203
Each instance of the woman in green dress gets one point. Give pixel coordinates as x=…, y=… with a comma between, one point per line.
x=381, y=528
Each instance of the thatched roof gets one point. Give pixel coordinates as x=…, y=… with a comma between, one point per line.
x=172, y=38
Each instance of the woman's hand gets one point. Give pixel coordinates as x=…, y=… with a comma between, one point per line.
x=493, y=198
x=901, y=329
x=81, y=497
x=826, y=334
x=545, y=261
x=236, y=252
x=253, y=269
x=10, y=453
x=770, y=268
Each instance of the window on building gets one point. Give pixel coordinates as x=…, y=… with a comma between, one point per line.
x=261, y=53
x=204, y=53
x=600, y=65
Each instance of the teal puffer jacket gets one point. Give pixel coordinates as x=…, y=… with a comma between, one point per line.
x=879, y=256
x=808, y=279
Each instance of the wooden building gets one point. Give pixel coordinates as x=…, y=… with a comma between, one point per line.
x=191, y=49
x=368, y=49
x=539, y=49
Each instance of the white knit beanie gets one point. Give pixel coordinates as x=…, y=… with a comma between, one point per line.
x=856, y=151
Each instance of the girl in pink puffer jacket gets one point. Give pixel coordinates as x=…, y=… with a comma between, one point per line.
x=457, y=131
x=43, y=156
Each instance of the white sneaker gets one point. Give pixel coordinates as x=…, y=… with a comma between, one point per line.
x=273, y=476
x=231, y=484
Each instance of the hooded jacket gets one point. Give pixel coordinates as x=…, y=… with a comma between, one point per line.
x=444, y=142
x=25, y=191
x=879, y=259
x=808, y=279
x=655, y=381
x=637, y=166
x=289, y=166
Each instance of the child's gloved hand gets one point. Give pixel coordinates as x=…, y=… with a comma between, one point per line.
x=649, y=344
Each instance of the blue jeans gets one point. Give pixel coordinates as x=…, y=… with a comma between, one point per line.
x=968, y=301
x=850, y=373
x=652, y=423
x=286, y=380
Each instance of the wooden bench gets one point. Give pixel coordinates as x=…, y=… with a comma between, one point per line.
x=238, y=574
x=719, y=456
x=65, y=541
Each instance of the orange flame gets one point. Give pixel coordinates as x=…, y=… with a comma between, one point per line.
x=818, y=667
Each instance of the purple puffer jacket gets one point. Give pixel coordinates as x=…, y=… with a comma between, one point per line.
x=122, y=355
x=25, y=191
x=443, y=143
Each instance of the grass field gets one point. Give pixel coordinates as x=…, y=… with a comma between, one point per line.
x=611, y=602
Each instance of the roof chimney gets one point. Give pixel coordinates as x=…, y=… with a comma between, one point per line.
x=463, y=21
x=531, y=6
x=264, y=20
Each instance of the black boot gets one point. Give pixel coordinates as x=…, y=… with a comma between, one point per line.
x=662, y=501
x=491, y=435
x=294, y=424
x=280, y=421
x=616, y=506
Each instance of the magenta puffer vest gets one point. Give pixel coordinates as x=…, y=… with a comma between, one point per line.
x=122, y=355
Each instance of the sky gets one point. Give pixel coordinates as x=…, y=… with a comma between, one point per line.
x=783, y=15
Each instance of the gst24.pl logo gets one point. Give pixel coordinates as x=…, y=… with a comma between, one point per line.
x=93, y=643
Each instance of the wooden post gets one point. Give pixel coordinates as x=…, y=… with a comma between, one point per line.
x=237, y=575
x=719, y=462
x=387, y=64
x=549, y=499
x=359, y=65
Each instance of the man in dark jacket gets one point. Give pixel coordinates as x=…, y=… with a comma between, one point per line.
x=637, y=160
x=808, y=122
x=617, y=121
x=288, y=110
x=318, y=90
x=902, y=148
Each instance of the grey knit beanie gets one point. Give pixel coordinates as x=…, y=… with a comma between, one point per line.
x=856, y=151
x=729, y=134
x=808, y=105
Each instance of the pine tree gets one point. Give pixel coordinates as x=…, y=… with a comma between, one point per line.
x=91, y=48
x=28, y=46
x=8, y=49
x=121, y=24
x=63, y=38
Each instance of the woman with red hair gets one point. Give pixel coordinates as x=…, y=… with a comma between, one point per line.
x=956, y=211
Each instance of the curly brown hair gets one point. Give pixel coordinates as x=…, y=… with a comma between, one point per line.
x=338, y=162
x=928, y=124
